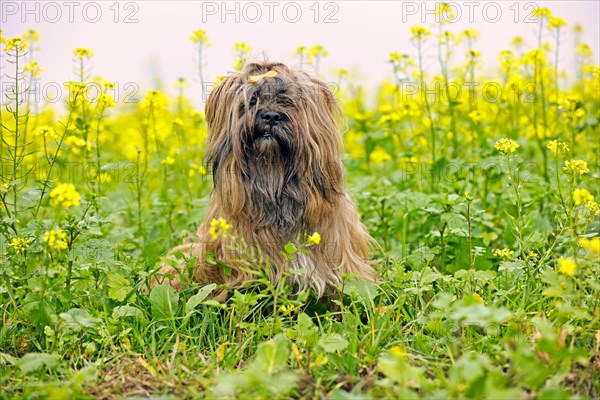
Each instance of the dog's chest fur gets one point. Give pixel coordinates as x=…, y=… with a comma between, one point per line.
x=276, y=199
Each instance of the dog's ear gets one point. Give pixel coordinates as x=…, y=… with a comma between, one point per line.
x=218, y=115
x=323, y=121
x=219, y=102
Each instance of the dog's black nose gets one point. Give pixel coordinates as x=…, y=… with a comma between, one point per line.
x=272, y=117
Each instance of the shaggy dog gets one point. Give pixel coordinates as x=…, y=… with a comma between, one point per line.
x=274, y=145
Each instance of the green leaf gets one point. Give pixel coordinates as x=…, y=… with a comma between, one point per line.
x=272, y=356
x=454, y=220
x=128, y=311
x=290, y=248
x=553, y=393
x=31, y=362
x=481, y=261
x=7, y=359
x=478, y=314
x=39, y=308
x=163, y=299
x=398, y=369
x=306, y=331
x=77, y=318
x=365, y=291
x=118, y=287
x=420, y=257
x=199, y=297
x=333, y=342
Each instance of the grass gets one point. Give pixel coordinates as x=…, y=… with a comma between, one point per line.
x=489, y=248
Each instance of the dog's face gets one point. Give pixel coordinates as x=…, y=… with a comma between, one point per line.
x=274, y=140
x=269, y=116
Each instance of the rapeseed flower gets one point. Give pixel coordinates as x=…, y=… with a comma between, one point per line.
x=557, y=147
x=576, y=167
x=506, y=146
x=82, y=52
x=566, y=266
x=503, y=253
x=65, y=195
x=19, y=244
x=582, y=196
x=313, y=239
x=219, y=226
x=56, y=239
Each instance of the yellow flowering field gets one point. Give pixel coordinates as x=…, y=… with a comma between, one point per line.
x=484, y=205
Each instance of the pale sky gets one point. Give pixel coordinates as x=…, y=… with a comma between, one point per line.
x=134, y=41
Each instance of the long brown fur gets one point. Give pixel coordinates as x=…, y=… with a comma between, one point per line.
x=278, y=189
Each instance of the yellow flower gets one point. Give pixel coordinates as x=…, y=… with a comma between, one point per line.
x=286, y=309
x=583, y=50
x=56, y=239
x=576, y=167
x=76, y=144
x=16, y=44
x=154, y=100
x=241, y=47
x=168, y=161
x=592, y=245
x=82, y=52
x=542, y=12
x=517, y=41
x=582, y=196
x=31, y=35
x=445, y=9
x=395, y=56
x=593, y=207
x=419, y=32
x=65, y=195
x=104, y=177
x=556, y=22
x=2, y=38
x=218, y=226
x=473, y=53
x=180, y=83
x=568, y=103
x=219, y=79
x=46, y=131
x=313, y=239
x=566, y=266
x=379, y=156
x=503, y=253
x=316, y=51
x=19, y=245
x=196, y=169
x=475, y=116
x=534, y=56
x=300, y=51
x=506, y=146
x=399, y=352
x=77, y=93
x=557, y=147
x=468, y=196
x=106, y=84
x=199, y=37
x=105, y=101
x=477, y=298
x=470, y=33
x=32, y=67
